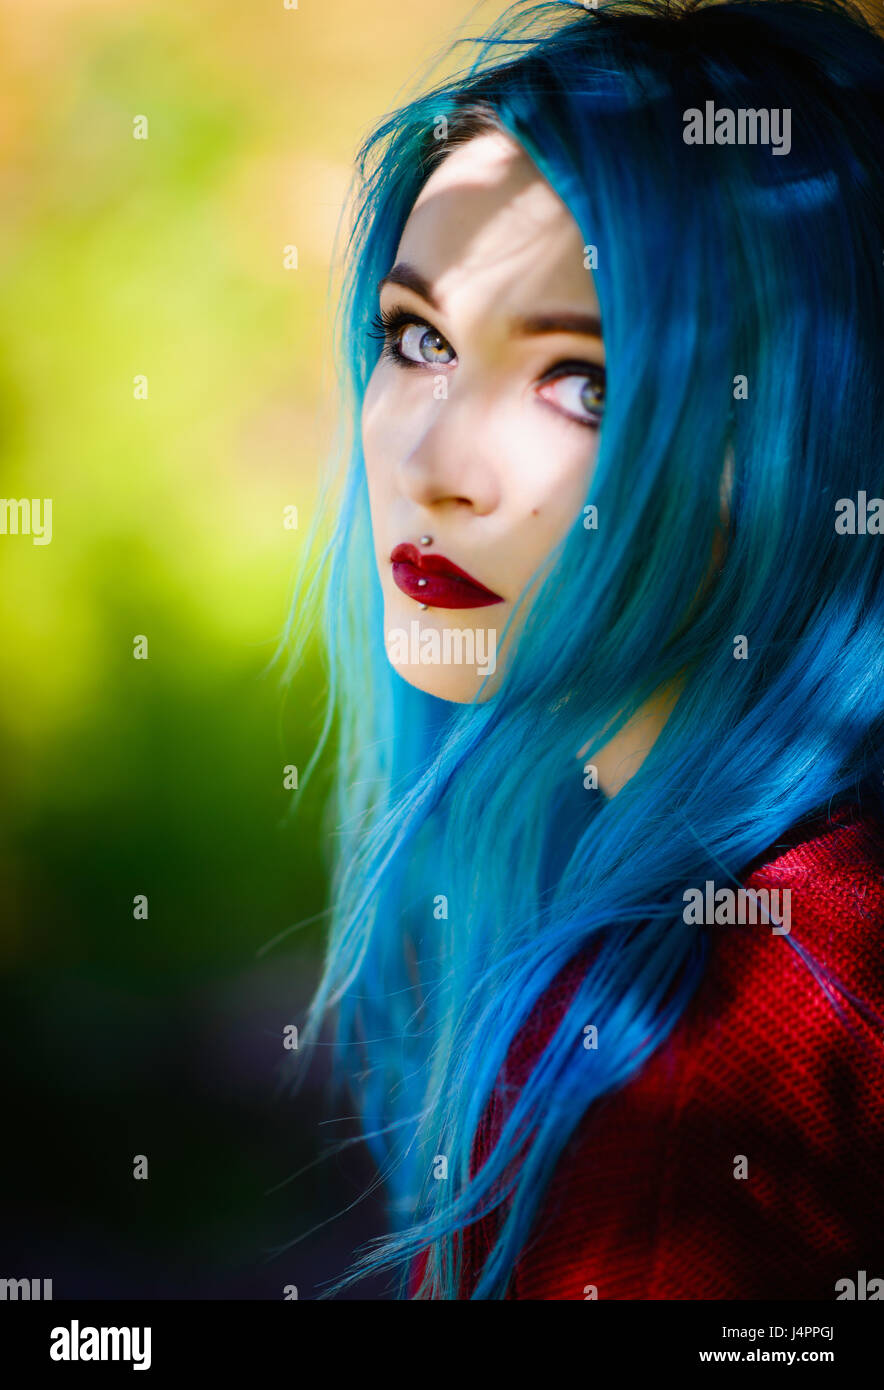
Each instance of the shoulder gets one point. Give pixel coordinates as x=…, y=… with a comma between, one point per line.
x=812, y=989
x=684, y=1184
x=829, y=873
x=833, y=862
x=828, y=870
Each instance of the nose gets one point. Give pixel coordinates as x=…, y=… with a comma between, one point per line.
x=453, y=459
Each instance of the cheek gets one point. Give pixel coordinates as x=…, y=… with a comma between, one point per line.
x=372, y=423
x=379, y=444
x=388, y=425
x=556, y=463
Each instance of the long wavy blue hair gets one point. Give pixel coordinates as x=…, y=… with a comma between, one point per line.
x=470, y=863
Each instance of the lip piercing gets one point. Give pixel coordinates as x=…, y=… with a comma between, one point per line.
x=422, y=583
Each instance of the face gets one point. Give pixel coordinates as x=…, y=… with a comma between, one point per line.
x=480, y=424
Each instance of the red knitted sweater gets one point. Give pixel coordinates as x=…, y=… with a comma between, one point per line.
x=644, y=1203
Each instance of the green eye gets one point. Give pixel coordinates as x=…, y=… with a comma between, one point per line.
x=418, y=343
x=578, y=391
x=411, y=341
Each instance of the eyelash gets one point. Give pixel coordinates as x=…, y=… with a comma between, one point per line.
x=387, y=323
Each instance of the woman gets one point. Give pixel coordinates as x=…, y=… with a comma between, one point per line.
x=606, y=619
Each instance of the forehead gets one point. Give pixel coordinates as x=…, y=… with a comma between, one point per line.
x=488, y=224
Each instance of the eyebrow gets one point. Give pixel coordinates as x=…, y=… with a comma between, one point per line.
x=559, y=321
x=411, y=279
x=527, y=325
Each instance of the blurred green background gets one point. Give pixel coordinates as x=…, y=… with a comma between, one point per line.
x=165, y=257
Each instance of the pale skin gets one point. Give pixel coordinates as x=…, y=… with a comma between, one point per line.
x=494, y=465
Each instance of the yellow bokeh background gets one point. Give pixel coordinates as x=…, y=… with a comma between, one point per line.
x=164, y=778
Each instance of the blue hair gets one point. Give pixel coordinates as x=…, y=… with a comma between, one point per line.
x=472, y=864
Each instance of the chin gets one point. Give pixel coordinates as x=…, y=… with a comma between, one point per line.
x=459, y=688
x=442, y=652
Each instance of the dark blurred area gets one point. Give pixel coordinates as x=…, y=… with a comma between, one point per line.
x=164, y=1037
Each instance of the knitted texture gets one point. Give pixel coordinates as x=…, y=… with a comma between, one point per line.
x=645, y=1202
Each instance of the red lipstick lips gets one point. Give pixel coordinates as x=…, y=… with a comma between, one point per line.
x=445, y=585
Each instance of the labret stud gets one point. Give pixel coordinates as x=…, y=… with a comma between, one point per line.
x=425, y=540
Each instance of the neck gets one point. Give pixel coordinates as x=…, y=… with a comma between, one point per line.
x=622, y=756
